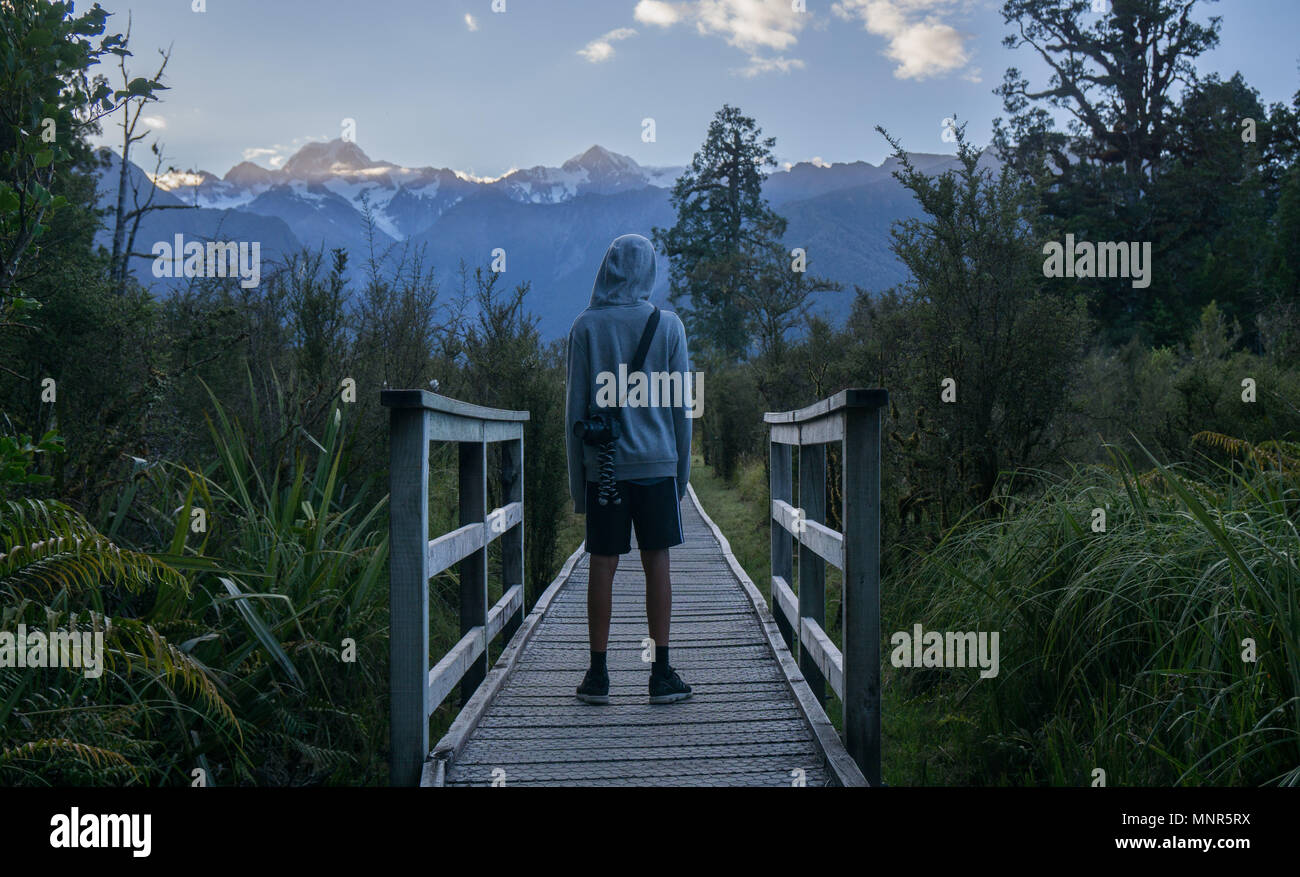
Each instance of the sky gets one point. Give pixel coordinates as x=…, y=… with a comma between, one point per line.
x=454, y=83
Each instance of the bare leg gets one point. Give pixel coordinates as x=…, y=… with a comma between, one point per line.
x=600, y=599
x=658, y=594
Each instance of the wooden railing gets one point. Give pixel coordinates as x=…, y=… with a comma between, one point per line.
x=418, y=417
x=851, y=417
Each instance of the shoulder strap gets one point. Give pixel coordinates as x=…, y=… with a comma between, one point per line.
x=643, y=347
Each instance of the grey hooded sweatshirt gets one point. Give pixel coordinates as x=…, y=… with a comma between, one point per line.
x=656, y=440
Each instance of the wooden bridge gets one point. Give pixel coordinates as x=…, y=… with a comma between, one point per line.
x=757, y=716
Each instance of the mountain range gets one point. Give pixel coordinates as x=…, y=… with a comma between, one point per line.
x=553, y=222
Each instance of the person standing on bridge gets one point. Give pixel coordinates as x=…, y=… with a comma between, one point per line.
x=629, y=452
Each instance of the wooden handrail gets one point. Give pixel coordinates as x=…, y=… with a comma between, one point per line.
x=416, y=418
x=852, y=418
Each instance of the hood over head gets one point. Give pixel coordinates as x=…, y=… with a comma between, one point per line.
x=627, y=274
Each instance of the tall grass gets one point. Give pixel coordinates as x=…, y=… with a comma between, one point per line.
x=1123, y=649
x=253, y=648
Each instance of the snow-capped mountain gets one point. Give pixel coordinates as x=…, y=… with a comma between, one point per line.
x=554, y=222
x=339, y=178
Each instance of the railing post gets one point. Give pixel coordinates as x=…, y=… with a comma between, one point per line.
x=512, y=541
x=473, y=569
x=408, y=594
x=782, y=488
x=812, y=569
x=861, y=597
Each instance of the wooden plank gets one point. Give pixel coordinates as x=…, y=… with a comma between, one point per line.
x=852, y=398
x=472, y=713
x=640, y=772
x=812, y=568
x=473, y=569
x=820, y=650
x=825, y=429
x=434, y=402
x=499, y=522
x=651, y=747
x=512, y=540
x=781, y=488
x=784, y=600
x=505, y=609
x=434, y=773
x=827, y=543
x=861, y=597
x=749, y=723
x=785, y=434
x=445, y=427
x=451, y=548
x=453, y=666
x=496, y=431
x=408, y=594
x=838, y=760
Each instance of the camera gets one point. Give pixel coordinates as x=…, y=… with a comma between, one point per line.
x=598, y=428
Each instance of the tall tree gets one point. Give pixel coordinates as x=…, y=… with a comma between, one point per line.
x=725, y=236
x=1114, y=74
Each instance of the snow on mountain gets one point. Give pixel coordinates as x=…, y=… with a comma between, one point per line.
x=554, y=221
x=404, y=201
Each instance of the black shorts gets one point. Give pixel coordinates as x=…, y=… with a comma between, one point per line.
x=653, y=508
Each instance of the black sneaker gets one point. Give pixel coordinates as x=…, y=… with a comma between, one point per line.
x=594, y=687
x=667, y=687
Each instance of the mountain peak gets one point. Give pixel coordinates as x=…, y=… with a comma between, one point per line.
x=599, y=161
x=326, y=159
x=248, y=174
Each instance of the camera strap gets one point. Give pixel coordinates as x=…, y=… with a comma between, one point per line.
x=643, y=346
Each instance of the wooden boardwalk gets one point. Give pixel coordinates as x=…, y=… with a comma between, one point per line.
x=752, y=721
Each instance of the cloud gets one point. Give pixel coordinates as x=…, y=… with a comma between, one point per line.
x=155, y=121
x=272, y=156
x=921, y=43
x=602, y=48
x=471, y=22
x=815, y=161
x=173, y=180
x=656, y=12
x=758, y=65
x=752, y=26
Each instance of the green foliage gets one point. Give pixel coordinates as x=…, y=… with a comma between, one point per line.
x=18, y=456
x=975, y=312
x=732, y=424
x=725, y=238
x=135, y=721
x=1164, y=397
x=507, y=366
x=50, y=101
x=1121, y=649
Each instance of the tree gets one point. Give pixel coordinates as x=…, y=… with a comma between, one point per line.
x=980, y=317
x=1113, y=75
x=779, y=305
x=725, y=234
x=1113, y=78
x=126, y=222
x=49, y=101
